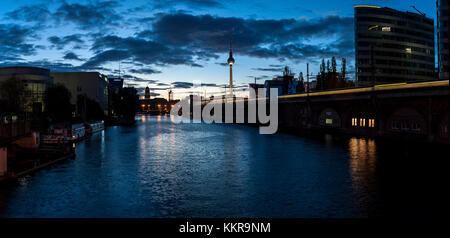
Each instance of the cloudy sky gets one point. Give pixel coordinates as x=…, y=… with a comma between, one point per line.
x=173, y=43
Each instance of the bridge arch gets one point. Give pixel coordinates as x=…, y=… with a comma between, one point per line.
x=407, y=120
x=330, y=117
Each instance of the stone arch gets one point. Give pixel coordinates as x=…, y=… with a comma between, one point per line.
x=442, y=132
x=407, y=120
x=329, y=117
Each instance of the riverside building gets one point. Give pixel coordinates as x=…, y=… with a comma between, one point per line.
x=392, y=46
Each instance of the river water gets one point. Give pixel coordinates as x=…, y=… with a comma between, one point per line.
x=161, y=169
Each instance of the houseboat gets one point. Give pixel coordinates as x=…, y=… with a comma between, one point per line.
x=64, y=133
x=94, y=127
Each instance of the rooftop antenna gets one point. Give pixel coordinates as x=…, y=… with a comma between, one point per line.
x=421, y=13
x=119, y=68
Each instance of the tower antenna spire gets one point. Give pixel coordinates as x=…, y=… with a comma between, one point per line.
x=230, y=61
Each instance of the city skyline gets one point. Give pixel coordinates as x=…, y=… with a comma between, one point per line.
x=151, y=49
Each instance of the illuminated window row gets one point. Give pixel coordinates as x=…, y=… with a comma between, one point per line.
x=361, y=122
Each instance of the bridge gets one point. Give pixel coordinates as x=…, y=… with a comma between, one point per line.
x=405, y=110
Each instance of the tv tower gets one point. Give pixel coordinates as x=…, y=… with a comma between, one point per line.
x=230, y=61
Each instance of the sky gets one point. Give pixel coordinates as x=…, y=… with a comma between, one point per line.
x=173, y=44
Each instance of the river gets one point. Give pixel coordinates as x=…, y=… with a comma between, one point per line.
x=161, y=169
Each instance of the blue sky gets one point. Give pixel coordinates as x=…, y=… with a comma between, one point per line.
x=170, y=44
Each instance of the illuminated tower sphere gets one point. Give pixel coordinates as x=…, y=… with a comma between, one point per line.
x=230, y=61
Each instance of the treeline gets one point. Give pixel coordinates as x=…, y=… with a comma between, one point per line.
x=329, y=78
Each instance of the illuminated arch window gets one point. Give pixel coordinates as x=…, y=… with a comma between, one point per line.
x=354, y=121
x=372, y=123
x=362, y=122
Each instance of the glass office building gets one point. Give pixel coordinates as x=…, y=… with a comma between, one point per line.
x=393, y=46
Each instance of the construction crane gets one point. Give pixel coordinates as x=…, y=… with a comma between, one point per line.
x=421, y=13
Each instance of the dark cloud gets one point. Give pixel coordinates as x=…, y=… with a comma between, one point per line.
x=71, y=56
x=190, y=85
x=258, y=77
x=105, y=57
x=280, y=69
x=187, y=3
x=53, y=66
x=32, y=13
x=147, y=52
x=97, y=14
x=144, y=71
x=177, y=38
x=14, y=41
x=138, y=79
x=279, y=39
x=61, y=42
x=182, y=85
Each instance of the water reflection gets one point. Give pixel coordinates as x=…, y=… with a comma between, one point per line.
x=363, y=166
x=158, y=168
x=363, y=155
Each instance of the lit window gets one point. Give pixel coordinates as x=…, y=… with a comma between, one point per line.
x=386, y=28
x=328, y=121
x=408, y=50
x=372, y=123
x=362, y=122
x=354, y=121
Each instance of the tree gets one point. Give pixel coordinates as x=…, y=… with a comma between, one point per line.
x=342, y=79
x=333, y=65
x=332, y=78
x=89, y=109
x=12, y=96
x=126, y=103
x=57, y=103
x=321, y=76
x=328, y=66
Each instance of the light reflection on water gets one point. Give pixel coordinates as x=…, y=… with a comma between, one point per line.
x=161, y=169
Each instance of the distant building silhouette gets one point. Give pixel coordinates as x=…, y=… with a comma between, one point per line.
x=392, y=46
x=285, y=84
x=256, y=86
x=147, y=93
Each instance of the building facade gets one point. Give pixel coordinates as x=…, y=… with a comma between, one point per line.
x=115, y=85
x=392, y=46
x=155, y=106
x=285, y=84
x=90, y=84
x=35, y=81
x=443, y=37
